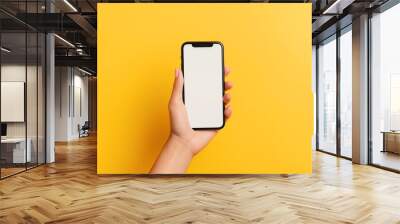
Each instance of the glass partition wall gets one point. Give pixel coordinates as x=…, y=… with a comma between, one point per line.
x=13, y=89
x=385, y=89
x=334, y=93
x=22, y=98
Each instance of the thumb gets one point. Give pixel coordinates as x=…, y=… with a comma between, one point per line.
x=178, y=86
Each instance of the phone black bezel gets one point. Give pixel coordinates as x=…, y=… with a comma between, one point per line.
x=223, y=77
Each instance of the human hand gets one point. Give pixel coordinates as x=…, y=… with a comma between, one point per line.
x=194, y=140
x=184, y=142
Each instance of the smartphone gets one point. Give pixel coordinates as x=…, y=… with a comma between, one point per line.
x=203, y=92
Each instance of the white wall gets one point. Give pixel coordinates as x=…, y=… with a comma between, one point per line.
x=10, y=73
x=71, y=87
x=16, y=72
x=33, y=127
x=83, y=82
x=62, y=82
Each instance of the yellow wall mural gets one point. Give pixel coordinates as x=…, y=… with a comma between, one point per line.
x=267, y=47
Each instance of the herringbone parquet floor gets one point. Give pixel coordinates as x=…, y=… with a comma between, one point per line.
x=69, y=191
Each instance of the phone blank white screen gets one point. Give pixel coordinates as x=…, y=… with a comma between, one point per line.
x=203, y=83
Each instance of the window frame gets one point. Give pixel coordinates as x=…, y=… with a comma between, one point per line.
x=381, y=9
x=334, y=37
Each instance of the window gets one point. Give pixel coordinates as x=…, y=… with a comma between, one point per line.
x=327, y=95
x=385, y=89
x=346, y=93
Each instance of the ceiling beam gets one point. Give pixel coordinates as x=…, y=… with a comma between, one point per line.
x=337, y=7
x=84, y=24
x=82, y=61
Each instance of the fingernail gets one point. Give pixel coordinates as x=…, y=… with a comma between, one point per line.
x=176, y=73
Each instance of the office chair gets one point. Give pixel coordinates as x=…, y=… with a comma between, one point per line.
x=84, y=130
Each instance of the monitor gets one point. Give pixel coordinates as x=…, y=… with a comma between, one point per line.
x=3, y=129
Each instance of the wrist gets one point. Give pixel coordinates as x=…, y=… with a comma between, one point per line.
x=182, y=144
x=174, y=158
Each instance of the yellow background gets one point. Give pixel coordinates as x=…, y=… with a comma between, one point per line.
x=268, y=48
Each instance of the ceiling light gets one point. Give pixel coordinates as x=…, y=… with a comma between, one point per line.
x=84, y=71
x=65, y=41
x=70, y=5
x=5, y=50
x=79, y=51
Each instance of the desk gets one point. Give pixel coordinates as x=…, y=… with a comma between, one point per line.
x=16, y=151
x=391, y=141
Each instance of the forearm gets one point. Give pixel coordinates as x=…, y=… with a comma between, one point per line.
x=174, y=158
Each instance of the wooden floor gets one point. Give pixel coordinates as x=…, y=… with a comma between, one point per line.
x=8, y=171
x=69, y=191
x=5, y=172
x=387, y=159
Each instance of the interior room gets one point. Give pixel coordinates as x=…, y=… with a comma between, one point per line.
x=385, y=90
x=49, y=151
x=22, y=101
